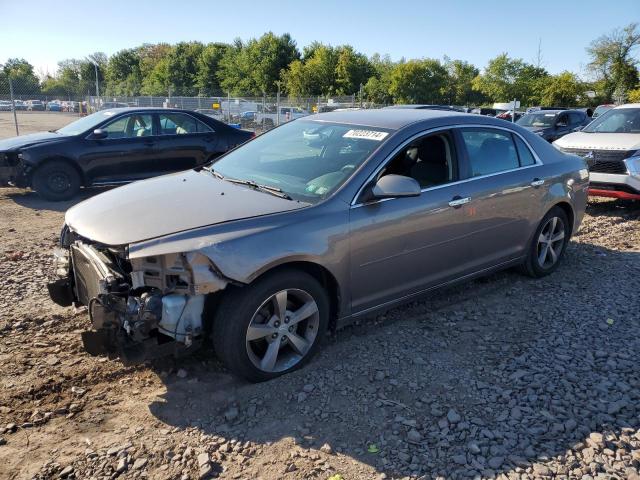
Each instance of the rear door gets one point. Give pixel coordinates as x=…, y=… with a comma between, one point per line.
x=126, y=152
x=184, y=142
x=505, y=188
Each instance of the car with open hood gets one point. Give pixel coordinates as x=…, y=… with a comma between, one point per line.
x=320, y=221
x=610, y=145
x=113, y=147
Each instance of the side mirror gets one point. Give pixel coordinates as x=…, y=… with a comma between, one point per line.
x=99, y=134
x=396, y=186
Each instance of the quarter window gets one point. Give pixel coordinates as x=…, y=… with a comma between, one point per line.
x=129, y=126
x=490, y=151
x=526, y=157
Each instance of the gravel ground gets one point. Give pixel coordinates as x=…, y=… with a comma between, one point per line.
x=504, y=377
x=30, y=122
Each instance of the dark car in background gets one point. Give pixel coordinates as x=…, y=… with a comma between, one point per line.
x=113, y=147
x=554, y=124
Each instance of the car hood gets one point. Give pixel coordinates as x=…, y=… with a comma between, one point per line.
x=600, y=141
x=23, y=141
x=169, y=204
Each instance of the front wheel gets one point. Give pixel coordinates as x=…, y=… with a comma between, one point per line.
x=271, y=327
x=56, y=181
x=548, y=244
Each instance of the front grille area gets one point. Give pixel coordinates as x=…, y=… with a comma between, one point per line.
x=602, y=161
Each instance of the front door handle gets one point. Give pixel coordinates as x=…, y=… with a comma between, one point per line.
x=537, y=182
x=458, y=201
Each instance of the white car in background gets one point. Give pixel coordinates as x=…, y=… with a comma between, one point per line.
x=610, y=144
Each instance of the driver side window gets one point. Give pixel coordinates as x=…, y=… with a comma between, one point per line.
x=129, y=126
x=429, y=160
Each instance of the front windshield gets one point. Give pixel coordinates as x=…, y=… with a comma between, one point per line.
x=85, y=123
x=537, y=120
x=617, y=120
x=307, y=160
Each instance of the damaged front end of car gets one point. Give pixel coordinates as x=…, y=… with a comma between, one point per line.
x=141, y=308
x=12, y=169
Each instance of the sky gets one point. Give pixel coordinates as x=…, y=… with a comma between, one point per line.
x=44, y=32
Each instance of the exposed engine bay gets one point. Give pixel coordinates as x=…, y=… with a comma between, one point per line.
x=141, y=308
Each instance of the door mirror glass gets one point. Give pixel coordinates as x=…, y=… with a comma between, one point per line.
x=99, y=134
x=395, y=186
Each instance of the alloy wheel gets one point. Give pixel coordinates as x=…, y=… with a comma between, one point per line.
x=282, y=330
x=550, y=242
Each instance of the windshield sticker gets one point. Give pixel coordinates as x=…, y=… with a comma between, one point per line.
x=366, y=135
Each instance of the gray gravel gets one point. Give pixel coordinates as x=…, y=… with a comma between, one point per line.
x=506, y=377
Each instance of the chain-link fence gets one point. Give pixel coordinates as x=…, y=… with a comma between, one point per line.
x=23, y=110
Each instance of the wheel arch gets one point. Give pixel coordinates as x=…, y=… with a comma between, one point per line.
x=568, y=210
x=57, y=158
x=319, y=272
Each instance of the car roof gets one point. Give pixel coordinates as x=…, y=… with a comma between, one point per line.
x=392, y=118
x=629, y=105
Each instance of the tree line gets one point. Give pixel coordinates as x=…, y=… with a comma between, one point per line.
x=272, y=62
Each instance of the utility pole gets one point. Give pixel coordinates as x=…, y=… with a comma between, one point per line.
x=13, y=104
x=95, y=66
x=278, y=104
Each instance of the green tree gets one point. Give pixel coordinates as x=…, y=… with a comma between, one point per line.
x=505, y=78
x=562, y=90
x=378, y=84
x=154, y=68
x=207, y=80
x=256, y=66
x=459, y=90
x=123, y=73
x=25, y=81
x=182, y=68
x=612, y=62
x=418, y=81
x=352, y=70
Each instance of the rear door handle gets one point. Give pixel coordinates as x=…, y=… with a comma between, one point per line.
x=537, y=182
x=457, y=201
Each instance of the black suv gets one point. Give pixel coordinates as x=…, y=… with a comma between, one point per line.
x=112, y=147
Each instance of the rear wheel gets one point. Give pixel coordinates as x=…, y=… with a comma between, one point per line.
x=56, y=181
x=548, y=244
x=271, y=327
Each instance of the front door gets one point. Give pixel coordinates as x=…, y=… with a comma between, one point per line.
x=125, y=153
x=401, y=246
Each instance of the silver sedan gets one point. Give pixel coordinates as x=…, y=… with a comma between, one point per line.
x=309, y=226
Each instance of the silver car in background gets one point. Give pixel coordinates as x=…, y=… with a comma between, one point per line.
x=317, y=222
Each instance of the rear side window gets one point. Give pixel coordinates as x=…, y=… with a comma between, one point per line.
x=490, y=151
x=179, y=124
x=526, y=157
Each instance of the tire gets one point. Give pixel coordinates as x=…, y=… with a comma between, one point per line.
x=56, y=181
x=541, y=262
x=249, y=328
